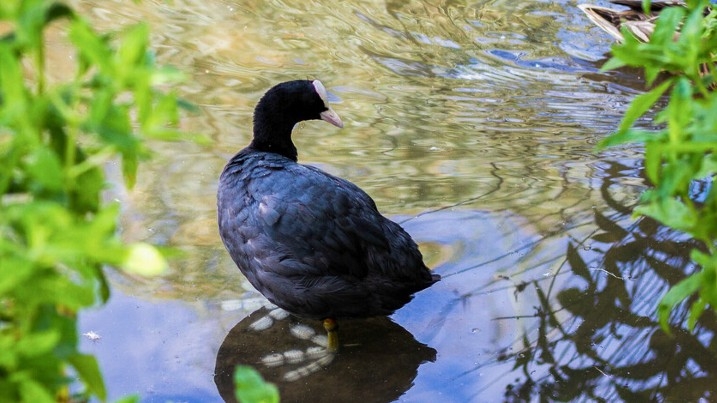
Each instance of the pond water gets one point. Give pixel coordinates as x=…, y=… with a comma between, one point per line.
x=471, y=123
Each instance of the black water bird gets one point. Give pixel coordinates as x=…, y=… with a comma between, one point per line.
x=312, y=243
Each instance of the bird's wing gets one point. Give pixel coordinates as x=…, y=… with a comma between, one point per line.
x=314, y=223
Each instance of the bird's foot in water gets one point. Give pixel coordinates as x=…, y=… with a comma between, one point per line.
x=332, y=332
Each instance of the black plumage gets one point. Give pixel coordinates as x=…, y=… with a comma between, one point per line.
x=312, y=243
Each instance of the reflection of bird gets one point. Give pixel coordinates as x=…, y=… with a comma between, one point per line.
x=379, y=362
x=312, y=243
x=637, y=22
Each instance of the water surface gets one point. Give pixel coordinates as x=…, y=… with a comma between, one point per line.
x=474, y=125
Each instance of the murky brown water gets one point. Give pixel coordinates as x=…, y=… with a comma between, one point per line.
x=473, y=124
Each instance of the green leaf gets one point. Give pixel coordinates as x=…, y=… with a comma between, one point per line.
x=45, y=168
x=145, y=260
x=638, y=107
x=38, y=343
x=89, y=371
x=32, y=391
x=679, y=110
x=14, y=271
x=627, y=136
x=91, y=47
x=670, y=212
x=677, y=294
x=612, y=64
x=129, y=399
x=646, y=6
x=653, y=161
x=691, y=30
x=85, y=194
x=13, y=89
x=168, y=75
x=708, y=262
x=251, y=387
x=666, y=26
x=696, y=310
x=130, y=162
x=641, y=104
x=143, y=99
x=133, y=48
x=104, y=286
x=100, y=108
x=31, y=23
x=165, y=112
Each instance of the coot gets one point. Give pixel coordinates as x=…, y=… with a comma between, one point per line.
x=312, y=243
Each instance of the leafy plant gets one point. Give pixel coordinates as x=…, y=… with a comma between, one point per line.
x=250, y=387
x=55, y=234
x=681, y=156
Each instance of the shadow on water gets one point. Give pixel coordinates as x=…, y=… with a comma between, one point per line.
x=596, y=336
x=601, y=340
x=378, y=360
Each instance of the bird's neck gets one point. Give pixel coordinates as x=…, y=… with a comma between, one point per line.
x=274, y=136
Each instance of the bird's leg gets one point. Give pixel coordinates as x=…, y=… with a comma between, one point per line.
x=332, y=332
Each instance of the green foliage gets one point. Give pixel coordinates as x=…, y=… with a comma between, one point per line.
x=55, y=234
x=682, y=155
x=250, y=387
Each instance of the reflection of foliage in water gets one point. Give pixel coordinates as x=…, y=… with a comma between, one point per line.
x=603, y=341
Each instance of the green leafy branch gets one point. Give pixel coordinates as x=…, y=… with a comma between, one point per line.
x=55, y=234
x=682, y=153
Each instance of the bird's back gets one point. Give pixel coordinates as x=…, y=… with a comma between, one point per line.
x=312, y=243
